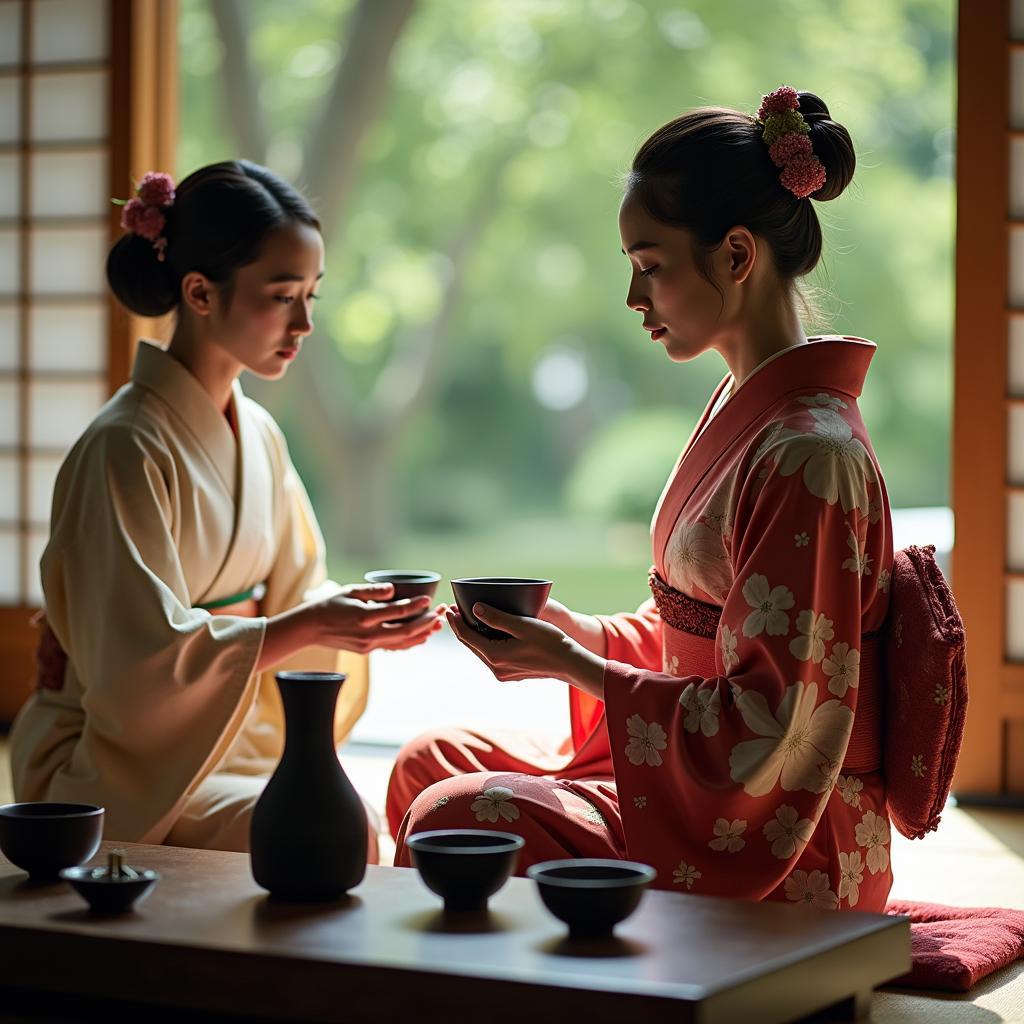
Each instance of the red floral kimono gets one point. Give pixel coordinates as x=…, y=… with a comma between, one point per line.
x=730, y=768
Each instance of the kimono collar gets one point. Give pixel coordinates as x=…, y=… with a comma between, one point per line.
x=830, y=363
x=838, y=363
x=158, y=371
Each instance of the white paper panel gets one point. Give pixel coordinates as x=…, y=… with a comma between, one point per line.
x=1015, y=620
x=10, y=348
x=10, y=489
x=1017, y=19
x=33, y=552
x=1017, y=178
x=1015, y=445
x=69, y=184
x=69, y=30
x=1015, y=532
x=10, y=185
x=68, y=261
x=10, y=411
x=1016, y=282
x=1017, y=90
x=69, y=107
x=10, y=579
x=10, y=262
x=59, y=412
x=68, y=337
x=10, y=108
x=42, y=472
x=10, y=34
x=1015, y=355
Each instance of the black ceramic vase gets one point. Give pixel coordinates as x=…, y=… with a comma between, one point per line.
x=309, y=831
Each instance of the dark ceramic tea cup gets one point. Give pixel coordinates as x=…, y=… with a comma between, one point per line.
x=408, y=583
x=513, y=594
x=45, y=838
x=591, y=895
x=465, y=867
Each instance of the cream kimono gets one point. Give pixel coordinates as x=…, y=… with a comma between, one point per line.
x=160, y=716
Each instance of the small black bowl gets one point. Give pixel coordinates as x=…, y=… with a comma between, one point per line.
x=109, y=891
x=45, y=838
x=513, y=594
x=591, y=895
x=465, y=866
x=408, y=583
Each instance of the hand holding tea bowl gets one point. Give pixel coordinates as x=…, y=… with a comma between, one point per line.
x=406, y=584
x=525, y=647
x=362, y=617
x=517, y=595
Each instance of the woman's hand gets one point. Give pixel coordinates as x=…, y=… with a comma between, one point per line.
x=361, y=618
x=584, y=629
x=354, y=619
x=534, y=649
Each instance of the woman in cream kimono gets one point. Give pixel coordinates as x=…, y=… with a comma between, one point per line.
x=184, y=559
x=738, y=711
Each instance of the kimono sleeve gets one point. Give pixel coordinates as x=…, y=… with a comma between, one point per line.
x=630, y=637
x=162, y=681
x=634, y=637
x=722, y=781
x=299, y=574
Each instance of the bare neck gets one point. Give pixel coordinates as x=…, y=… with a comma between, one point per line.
x=215, y=370
x=766, y=325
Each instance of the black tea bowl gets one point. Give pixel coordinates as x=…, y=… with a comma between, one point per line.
x=465, y=866
x=513, y=594
x=45, y=838
x=114, y=889
x=591, y=895
x=408, y=583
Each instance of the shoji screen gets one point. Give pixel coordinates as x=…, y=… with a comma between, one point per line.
x=79, y=116
x=54, y=201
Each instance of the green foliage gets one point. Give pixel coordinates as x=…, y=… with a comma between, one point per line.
x=619, y=477
x=558, y=94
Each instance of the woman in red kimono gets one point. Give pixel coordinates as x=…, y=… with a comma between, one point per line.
x=727, y=732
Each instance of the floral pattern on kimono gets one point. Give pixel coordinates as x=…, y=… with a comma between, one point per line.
x=745, y=778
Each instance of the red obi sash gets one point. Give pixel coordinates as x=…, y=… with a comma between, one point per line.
x=689, y=628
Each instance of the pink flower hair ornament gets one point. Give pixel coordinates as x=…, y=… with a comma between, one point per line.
x=144, y=214
x=786, y=133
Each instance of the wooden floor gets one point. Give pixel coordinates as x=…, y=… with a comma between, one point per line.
x=975, y=859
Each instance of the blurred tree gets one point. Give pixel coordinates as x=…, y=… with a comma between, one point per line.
x=472, y=346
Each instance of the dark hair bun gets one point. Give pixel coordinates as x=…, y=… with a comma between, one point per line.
x=220, y=217
x=139, y=280
x=832, y=146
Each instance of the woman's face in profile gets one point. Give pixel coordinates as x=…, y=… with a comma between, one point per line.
x=262, y=318
x=680, y=307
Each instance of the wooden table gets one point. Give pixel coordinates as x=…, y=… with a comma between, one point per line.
x=208, y=940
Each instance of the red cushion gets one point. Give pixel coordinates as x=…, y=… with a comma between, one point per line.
x=955, y=947
x=926, y=674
